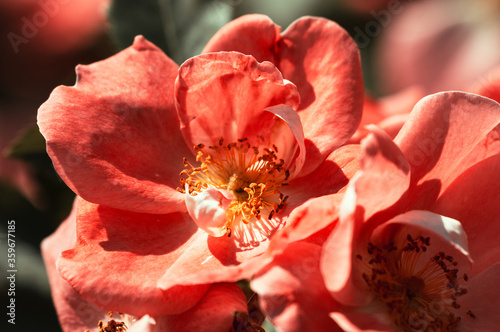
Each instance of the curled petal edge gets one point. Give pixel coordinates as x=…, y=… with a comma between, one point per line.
x=292, y=120
x=450, y=230
x=208, y=209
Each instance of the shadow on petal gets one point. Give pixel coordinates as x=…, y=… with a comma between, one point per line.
x=224, y=249
x=149, y=235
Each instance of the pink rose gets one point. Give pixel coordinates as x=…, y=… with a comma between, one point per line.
x=185, y=172
x=412, y=245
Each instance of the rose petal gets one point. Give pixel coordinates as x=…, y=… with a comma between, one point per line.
x=74, y=313
x=292, y=293
x=311, y=205
x=353, y=321
x=252, y=34
x=337, y=268
x=321, y=59
x=144, y=324
x=443, y=228
x=385, y=173
x=438, y=137
x=330, y=177
x=114, y=137
x=482, y=299
x=214, y=312
x=382, y=181
x=223, y=95
x=150, y=264
x=208, y=210
x=473, y=199
x=120, y=256
x=290, y=150
x=306, y=220
x=487, y=147
x=214, y=259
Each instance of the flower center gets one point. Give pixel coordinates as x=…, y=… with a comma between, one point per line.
x=252, y=174
x=420, y=291
x=113, y=325
x=413, y=285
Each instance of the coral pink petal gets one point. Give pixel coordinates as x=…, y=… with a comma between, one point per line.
x=331, y=176
x=223, y=95
x=487, y=147
x=214, y=312
x=385, y=173
x=323, y=61
x=145, y=324
x=383, y=179
x=74, y=313
x=473, y=199
x=114, y=137
x=337, y=266
x=354, y=321
x=213, y=259
x=442, y=131
x=445, y=229
x=307, y=219
x=208, y=210
x=288, y=138
x=120, y=256
x=292, y=292
x=483, y=300
x=253, y=34
x=313, y=199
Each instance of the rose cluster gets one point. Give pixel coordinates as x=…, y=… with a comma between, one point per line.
x=256, y=181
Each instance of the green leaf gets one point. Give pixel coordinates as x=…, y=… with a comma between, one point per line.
x=130, y=18
x=180, y=28
x=29, y=142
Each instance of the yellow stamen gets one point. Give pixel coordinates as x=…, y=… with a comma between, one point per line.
x=253, y=175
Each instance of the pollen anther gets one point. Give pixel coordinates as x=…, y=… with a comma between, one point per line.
x=253, y=175
x=421, y=294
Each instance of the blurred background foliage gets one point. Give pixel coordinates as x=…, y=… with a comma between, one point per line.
x=43, y=40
